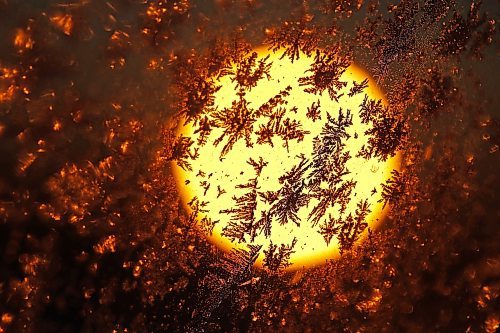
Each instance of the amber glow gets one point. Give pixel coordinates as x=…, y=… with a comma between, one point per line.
x=217, y=181
x=63, y=23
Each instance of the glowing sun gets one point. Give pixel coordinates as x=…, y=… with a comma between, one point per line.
x=289, y=169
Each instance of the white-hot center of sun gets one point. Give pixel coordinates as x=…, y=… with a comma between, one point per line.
x=217, y=181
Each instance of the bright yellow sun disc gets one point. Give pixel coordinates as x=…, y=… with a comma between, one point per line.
x=219, y=179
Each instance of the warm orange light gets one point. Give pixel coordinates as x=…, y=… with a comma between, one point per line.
x=63, y=22
x=23, y=40
x=219, y=175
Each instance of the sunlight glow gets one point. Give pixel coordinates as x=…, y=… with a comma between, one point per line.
x=224, y=174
